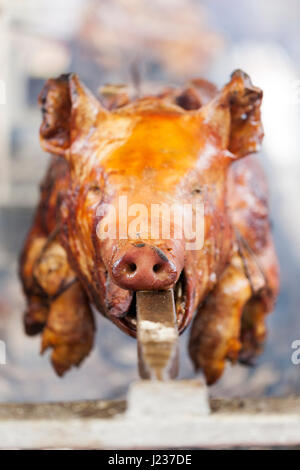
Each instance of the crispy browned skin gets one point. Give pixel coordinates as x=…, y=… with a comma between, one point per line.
x=182, y=146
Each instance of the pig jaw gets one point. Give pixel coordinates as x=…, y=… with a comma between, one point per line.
x=183, y=295
x=168, y=256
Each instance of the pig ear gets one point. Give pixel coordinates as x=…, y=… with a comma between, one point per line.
x=69, y=110
x=246, y=131
x=235, y=115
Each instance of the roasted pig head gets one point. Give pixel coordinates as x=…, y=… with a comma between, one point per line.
x=152, y=193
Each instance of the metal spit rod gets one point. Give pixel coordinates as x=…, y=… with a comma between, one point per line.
x=157, y=335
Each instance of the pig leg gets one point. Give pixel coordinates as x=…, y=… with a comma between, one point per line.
x=37, y=304
x=247, y=190
x=253, y=331
x=215, y=334
x=69, y=330
x=45, y=272
x=51, y=271
x=69, y=327
x=37, y=241
x=56, y=302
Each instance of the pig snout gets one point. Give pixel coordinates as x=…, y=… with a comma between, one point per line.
x=146, y=267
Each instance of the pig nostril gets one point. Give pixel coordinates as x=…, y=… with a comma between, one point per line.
x=157, y=267
x=143, y=268
x=132, y=267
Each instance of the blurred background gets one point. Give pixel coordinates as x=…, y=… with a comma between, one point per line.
x=145, y=44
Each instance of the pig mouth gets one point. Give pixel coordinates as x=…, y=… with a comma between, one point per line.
x=128, y=322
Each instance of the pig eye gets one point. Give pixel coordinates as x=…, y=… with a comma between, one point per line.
x=196, y=191
x=94, y=188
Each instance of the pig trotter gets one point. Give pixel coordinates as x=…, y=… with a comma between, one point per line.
x=36, y=315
